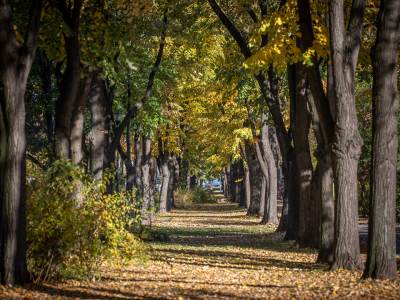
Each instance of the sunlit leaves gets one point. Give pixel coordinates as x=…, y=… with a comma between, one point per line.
x=282, y=29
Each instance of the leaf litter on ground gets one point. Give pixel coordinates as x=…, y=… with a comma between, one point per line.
x=215, y=251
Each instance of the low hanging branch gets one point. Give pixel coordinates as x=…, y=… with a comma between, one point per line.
x=138, y=105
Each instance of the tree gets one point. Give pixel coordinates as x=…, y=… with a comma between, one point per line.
x=16, y=59
x=70, y=82
x=345, y=45
x=323, y=123
x=272, y=103
x=381, y=259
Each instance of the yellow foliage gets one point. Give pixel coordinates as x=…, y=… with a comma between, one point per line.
x=282, y=29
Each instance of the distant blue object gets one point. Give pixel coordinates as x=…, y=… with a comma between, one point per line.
x=216, y=183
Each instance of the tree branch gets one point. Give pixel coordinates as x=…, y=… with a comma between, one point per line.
x=314, y=76
x=33, y=27
x=138, y=105
x=33, y=159
x=354, y=30
x=8, y=42
x=252, y=14
x=240, y=40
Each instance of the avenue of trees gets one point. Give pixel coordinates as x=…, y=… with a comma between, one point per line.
x=129, y=101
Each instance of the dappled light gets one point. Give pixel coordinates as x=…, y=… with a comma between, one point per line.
x=214, y=149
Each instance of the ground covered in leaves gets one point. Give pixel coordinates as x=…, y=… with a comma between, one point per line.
x=214, y=251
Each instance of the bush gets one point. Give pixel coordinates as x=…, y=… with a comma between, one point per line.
x=184, y=197
x=201, y=196
x=73, y=226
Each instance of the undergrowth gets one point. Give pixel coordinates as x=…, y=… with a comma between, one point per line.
x=73, y=225
x=185, y=198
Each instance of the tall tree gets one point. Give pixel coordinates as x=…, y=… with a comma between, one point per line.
x=323, y=123
x=70, y=82
x=302, y=121
x=345, y=45
x=272, y=103
x=270, y=215
x=381, y=259
x=146, y=181
x=15, y=64
x=100, y=117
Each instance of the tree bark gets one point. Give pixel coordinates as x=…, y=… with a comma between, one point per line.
x=264, y=196
x=227, y=182
x=323, y=123
x=270, y=214
x=247, y=187
x=77, y=122
x=174, y=175
x=69, y=86
x=15, y=65
x=255, y=179
x=146, y=182
x=302, y=122
x=322, y=192
x=137, y=165
x=289, y=216
x=240, y=184
x=345, y=46
x=165, y=181
x=99, y=135
x=381, y=259
x=46, y=78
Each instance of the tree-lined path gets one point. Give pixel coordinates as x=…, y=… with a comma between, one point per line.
x=215, y=251
x=118, y=118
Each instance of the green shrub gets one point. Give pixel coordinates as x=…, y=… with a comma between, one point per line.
x=73, y=226
x=201, y=196
x=184, y=197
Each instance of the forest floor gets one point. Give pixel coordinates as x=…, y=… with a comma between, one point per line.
x=215, y=251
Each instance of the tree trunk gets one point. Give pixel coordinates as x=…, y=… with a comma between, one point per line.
x=381, y=259
x=270, y=215
x=227, y=182
x=347, y=141
x=323, y=123
x=264, y=196
x=289, y=211
x=290, y=203
x=77, y=122
x=137, y=144
x=65, y=105
x=69, y=86
x=247, y=187
x=232, y=182
x=165, y=181
x=240, y=184
x=146, y=182
x=322, y=192
x=100, y=130
x=174, y=174
x=15, y=65
x=46, y=78
x=302, y=122
x=153, y=175
x=12, y=236
x=255, y=179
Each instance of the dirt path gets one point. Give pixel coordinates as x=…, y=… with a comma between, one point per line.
x=215, y=252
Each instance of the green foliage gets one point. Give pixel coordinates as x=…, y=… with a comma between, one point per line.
x=185, y=197
x=201, y=196
x=73, y=226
